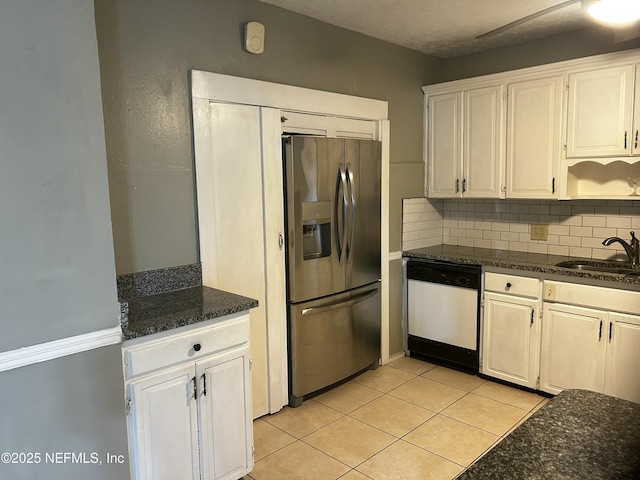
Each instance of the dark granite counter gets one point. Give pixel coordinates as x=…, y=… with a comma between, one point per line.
x=523, y=261
x=157, y=313
x=152, y=282
x=578, y=435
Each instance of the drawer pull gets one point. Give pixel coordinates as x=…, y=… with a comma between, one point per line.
x=197, y=347
x=507, y=286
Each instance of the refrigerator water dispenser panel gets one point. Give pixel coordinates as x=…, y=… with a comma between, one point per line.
x=316, y=241
x=316, y=230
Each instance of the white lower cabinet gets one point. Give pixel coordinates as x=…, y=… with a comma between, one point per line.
x=573, y=348
x=511, y=331
x=225, y=419
x=189, y=398
x=589, y=337
x=594, y=343
x=510, y=339
x=164, y=425
x=623, y=354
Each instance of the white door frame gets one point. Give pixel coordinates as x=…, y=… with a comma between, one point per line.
x=207, y=87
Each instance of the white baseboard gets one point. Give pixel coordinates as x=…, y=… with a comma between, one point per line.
x=42, y=352
x=394, y=357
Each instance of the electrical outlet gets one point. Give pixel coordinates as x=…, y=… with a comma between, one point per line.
x=549, y=291
x=539, y=232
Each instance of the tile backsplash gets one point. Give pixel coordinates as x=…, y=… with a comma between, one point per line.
x=576, y=227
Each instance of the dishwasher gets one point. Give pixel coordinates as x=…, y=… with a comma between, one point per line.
x=443, y=305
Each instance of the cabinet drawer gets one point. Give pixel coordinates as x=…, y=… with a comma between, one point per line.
x=188, y=345
x=512, y=284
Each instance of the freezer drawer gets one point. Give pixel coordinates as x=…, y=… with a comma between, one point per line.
x=332, y=338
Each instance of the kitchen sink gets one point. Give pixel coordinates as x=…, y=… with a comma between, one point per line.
x=621, y=268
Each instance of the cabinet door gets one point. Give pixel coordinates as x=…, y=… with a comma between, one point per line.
x=444, y=162
x=163, y=426
x=623, y=351
x=600, y=112
x=534, y=136
x=510, y=338
x=573, y=348
x=225, y=415
x=635, y=145
x=483, y=149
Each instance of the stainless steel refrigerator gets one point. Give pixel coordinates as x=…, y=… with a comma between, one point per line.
x=333, y=260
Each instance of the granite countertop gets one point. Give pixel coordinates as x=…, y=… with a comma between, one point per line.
x=150, y=314
x=577, y=435
x=532, y=262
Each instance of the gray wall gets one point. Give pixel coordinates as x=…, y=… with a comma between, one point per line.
x=56, y=249
x=72, y=404
x=576, y=44
x=146, y=48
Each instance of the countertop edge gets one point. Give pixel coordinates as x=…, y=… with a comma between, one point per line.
x=500, y=259
x=144, y=316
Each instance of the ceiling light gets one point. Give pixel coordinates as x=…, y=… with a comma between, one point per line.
x=613, y=11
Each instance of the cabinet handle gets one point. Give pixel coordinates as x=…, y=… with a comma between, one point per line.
x=507, y=286
x=532, y=312
x=600, y=331
x=457, y=185
x=464, y=185
x=197, y=347
x=204, y=384
x=195, y=388
x=553, y=185
x=625, y=139
x=280, y=241
x=610, y=328
x=636, y=144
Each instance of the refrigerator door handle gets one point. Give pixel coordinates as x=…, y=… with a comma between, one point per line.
x=340, y=208
x=352, y=199
x=357, y=299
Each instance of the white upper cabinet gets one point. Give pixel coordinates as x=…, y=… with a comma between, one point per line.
x=444, y=145
x=635, y=140
x=568, y=130
x=534, y=137
x=483, y=155
x=465, y=154
x=600, y=114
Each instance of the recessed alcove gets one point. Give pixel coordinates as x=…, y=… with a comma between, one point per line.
x=596, y=179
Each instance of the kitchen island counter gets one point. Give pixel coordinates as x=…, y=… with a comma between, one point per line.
x=523, y=261
x=578, y=435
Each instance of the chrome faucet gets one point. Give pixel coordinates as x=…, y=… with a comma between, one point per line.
x=633, y=249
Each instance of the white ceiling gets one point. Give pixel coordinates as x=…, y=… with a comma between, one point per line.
x=443, y=28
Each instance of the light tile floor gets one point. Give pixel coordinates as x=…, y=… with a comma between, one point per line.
x=405, y=420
